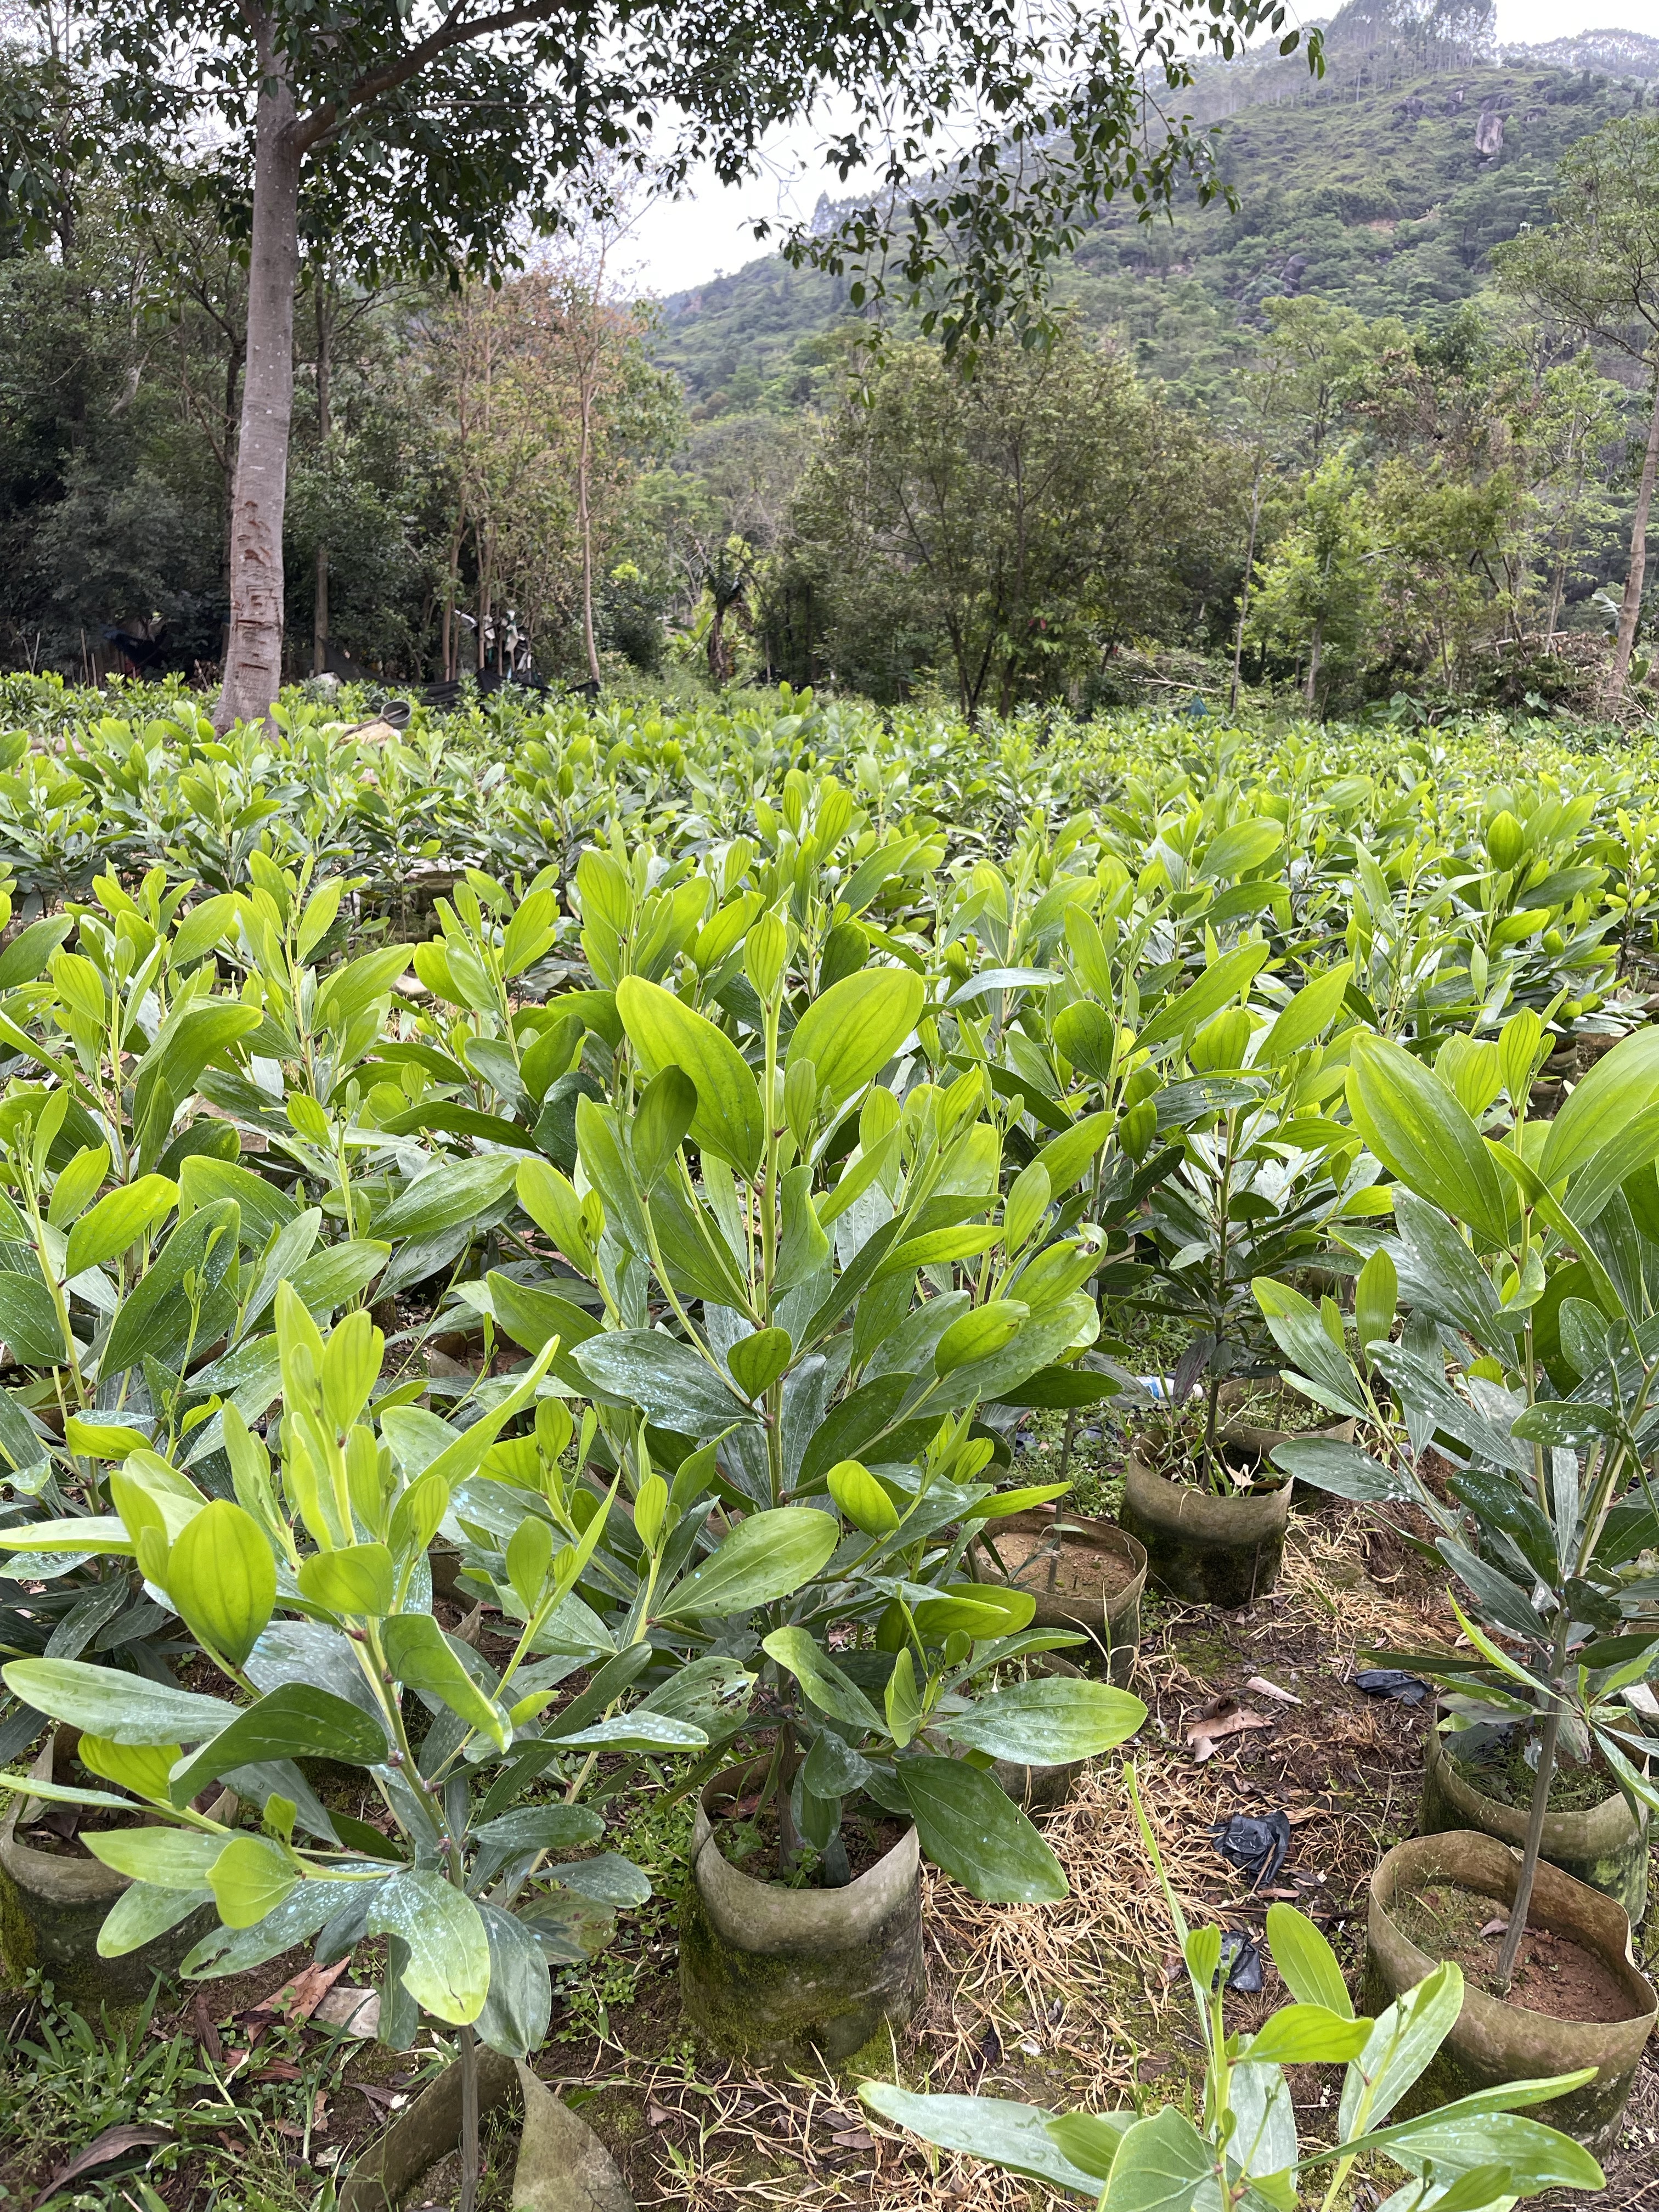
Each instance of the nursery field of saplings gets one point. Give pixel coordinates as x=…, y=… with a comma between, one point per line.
x=804, y=1414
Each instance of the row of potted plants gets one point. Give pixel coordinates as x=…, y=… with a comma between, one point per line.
x=762, y=1241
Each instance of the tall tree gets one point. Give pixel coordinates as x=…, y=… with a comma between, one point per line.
x=1595, y=268
x=420, y=129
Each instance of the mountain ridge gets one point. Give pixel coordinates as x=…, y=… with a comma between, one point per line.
x=1384, y=185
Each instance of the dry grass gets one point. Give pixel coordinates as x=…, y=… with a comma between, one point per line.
x=1081, y=2004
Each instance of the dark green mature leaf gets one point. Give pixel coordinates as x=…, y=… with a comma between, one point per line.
x=449, y=1953
x=297, y=1720
x=1344, y=1471
x=1161, y=2165
x=162, y=1320
x=676, y=1388
x=830, y=1690
x=766, y=1556
x=519, y=2005
x=127, y=1708
x=29, y=1321
x=966, y=1824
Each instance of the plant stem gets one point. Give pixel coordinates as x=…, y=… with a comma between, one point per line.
x=469, y=2196
x=1541, y=1798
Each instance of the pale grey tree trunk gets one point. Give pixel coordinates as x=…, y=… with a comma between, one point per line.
x=253, y=658
x=1630, y=611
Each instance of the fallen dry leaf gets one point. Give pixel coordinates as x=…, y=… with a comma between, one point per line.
x=853, y=2139
x=656, y=2116
x=1496, y=1928
x=357, y=2011
x=1228, y=1718
x=103, y=2150
x=301, y=1998
x=1264, y=1688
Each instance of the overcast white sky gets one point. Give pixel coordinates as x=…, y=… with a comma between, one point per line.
x=678, y=243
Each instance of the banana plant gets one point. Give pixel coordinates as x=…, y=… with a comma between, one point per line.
x=1240, y=2150
x=1528, y=1263
x=310, y=1592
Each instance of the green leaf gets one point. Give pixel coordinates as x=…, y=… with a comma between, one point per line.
x=729, y=1121
x=967, y=1825
x=29, y=1321
x=359, y=1578
x=125, y=1708
x=172, y=1859
x=1161, y=2165
x=26, y=955
x=852, y=1029
x=1221, y=982
x=448, y=1969
x=1306, y=2034
x=159, y=1319
x=1416, y=1127
x=980, y=1335
x=1068, y=1156
x=757, y=1361
x=1307, y=1964
x=766, y=1556
x=1401, y=2044
x=830, y=1690
x=143, y=1912
x=222, y=1578
x=661, y=1120
x=449, y=1195
x=1091, y=2140
x=420, y=1654
x=297, y=1720
x=97, y=1533
x=1315, y=1006
x=1014, y=2137
x=119, y=1219
x=251, y=1877
x=516, y=2012
x=1622, y=1083
x=1048, y=1721
x=674, y=1386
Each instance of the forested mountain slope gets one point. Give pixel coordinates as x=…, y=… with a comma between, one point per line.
x=1385, y=185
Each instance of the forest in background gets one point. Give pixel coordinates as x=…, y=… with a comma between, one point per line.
x=1306, y=441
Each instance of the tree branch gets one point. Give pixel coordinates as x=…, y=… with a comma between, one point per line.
x=322, y=122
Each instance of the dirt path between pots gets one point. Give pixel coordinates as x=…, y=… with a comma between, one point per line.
x=1081, y=2004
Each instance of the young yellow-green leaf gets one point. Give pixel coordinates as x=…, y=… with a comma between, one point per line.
x=980, y=1609
x=119, y=1219
x=221, y=1578
x=862, y=1499
x=358, y=1579
x=854, y=1028
x=173, y=1858
x=143, y=1768
x=980, y=1335
x=903, y=1706
x=74, y=1190
x=729, y=1121
x=250, y=1878
x=757, y=1361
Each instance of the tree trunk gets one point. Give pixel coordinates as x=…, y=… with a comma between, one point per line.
x=253, y=661
x=1630, y=612
x=584, y=513
x=324, y=429
x=1314, y=645
x=1244, y=590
